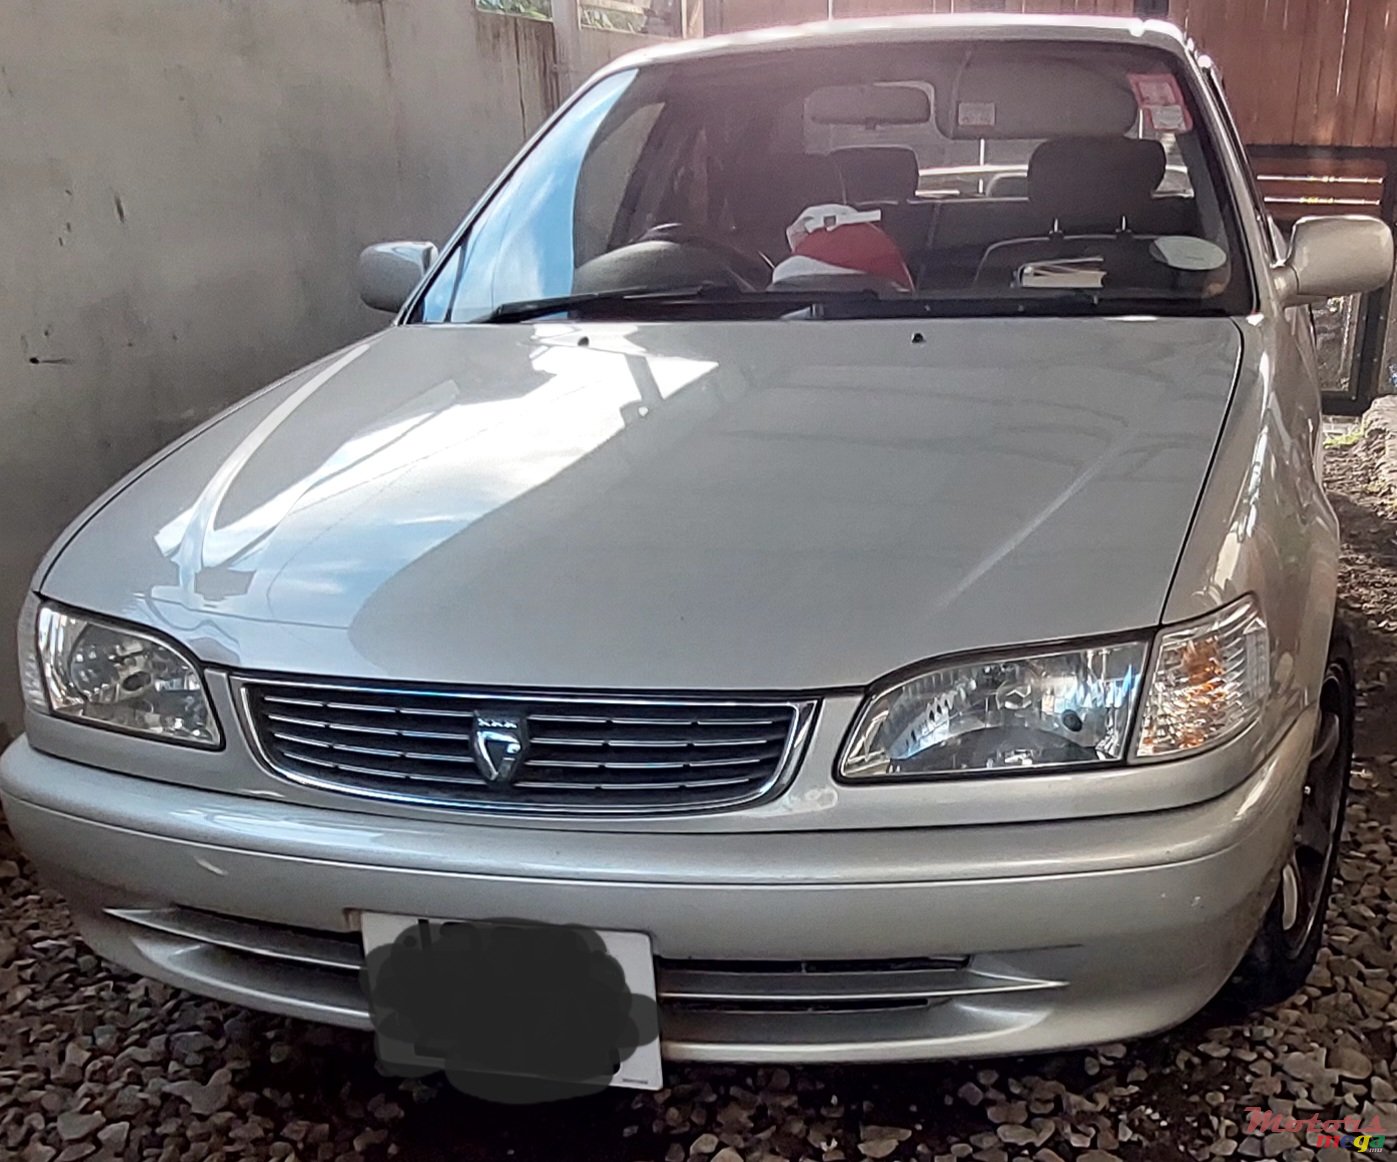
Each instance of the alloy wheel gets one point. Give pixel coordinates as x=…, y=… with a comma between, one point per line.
x=1306, y=874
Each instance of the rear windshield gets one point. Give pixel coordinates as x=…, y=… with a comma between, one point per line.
x=946, y=177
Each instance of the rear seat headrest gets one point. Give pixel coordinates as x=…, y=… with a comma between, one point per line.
x=878, y=173
x=1094, y=182
x=774, y=188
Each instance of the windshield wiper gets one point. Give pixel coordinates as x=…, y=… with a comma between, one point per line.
x=863, y=303
x=757, y=303
x=522, y=310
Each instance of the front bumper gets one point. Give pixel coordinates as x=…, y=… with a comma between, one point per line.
x=773, y=946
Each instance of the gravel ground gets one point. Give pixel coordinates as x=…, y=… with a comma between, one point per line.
x=97, y=1063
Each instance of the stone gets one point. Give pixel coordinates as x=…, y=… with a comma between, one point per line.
x=1014, y=1111
x=897, y=1133
x=202, y=1099
x=73, y=1127
x=1351, y=1063
x=113, y=1137
x=1304, y=1067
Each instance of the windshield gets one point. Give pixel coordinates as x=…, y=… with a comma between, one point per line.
x=938, y=177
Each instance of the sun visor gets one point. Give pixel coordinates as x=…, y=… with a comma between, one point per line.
x=1029, y=100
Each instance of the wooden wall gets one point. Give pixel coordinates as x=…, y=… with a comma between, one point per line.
x=1297, y=72
x=1303, y=72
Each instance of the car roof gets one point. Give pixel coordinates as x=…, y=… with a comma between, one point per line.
x=905, y=29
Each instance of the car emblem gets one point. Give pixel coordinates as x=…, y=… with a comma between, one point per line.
x=499, y=742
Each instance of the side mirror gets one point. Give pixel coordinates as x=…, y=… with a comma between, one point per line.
x=1335, y=256
x=390, y=271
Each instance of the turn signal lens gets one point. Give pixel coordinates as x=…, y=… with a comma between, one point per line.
x=31, y=678
x=1207, y=683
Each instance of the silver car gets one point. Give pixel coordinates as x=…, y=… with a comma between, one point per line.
x=889, y=619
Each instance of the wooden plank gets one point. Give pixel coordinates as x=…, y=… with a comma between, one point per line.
x=1345, y=167
x=1205, y=26
x=1296, y=186
x=1242, y=19
x=1329, y=45
x=1385, y=103
x=1285, y=63
x=1331, y=191
x=1373, y=32
x=1280, y=65
x=1344, y=115
x=1287, y=212
x=1181, y=13
x=1307, y=79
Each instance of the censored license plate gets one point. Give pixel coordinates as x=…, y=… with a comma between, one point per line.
x=513, y=1006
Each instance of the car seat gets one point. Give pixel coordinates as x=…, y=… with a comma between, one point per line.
x=1091, y=190
x=885, y=178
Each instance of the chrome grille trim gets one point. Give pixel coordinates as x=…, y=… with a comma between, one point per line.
x=402, y=743
x=253, y=937
x=714, y=993
x=831, y=986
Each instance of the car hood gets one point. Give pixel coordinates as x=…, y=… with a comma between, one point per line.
x=775, y=506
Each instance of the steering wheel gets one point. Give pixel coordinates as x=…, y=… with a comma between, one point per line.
x=750, y=271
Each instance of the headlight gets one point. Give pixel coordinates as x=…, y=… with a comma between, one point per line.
x=1208, y=682
x=119, y=677
x=1051, y=709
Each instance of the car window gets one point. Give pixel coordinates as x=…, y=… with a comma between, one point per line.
x=522, y=247
x=610, y=182
x=1254, y=195
x=971, y=177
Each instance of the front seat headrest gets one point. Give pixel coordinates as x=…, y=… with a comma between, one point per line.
x=878, y=173
x=774, y=188
x=1092, y=183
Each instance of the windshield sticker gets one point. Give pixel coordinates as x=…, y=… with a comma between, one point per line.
x=975, y=114
x=1161, y=102
x=1184, y=252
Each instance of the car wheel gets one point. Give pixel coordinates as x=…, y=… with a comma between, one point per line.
x=1284, y=951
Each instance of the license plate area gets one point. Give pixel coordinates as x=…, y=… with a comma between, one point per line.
x=510, y=1008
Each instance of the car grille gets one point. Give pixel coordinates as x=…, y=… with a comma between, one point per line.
x=582, y=753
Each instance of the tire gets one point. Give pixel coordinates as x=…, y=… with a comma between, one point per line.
x=1283, y=953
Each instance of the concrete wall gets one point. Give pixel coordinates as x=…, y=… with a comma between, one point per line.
x=184, y=186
